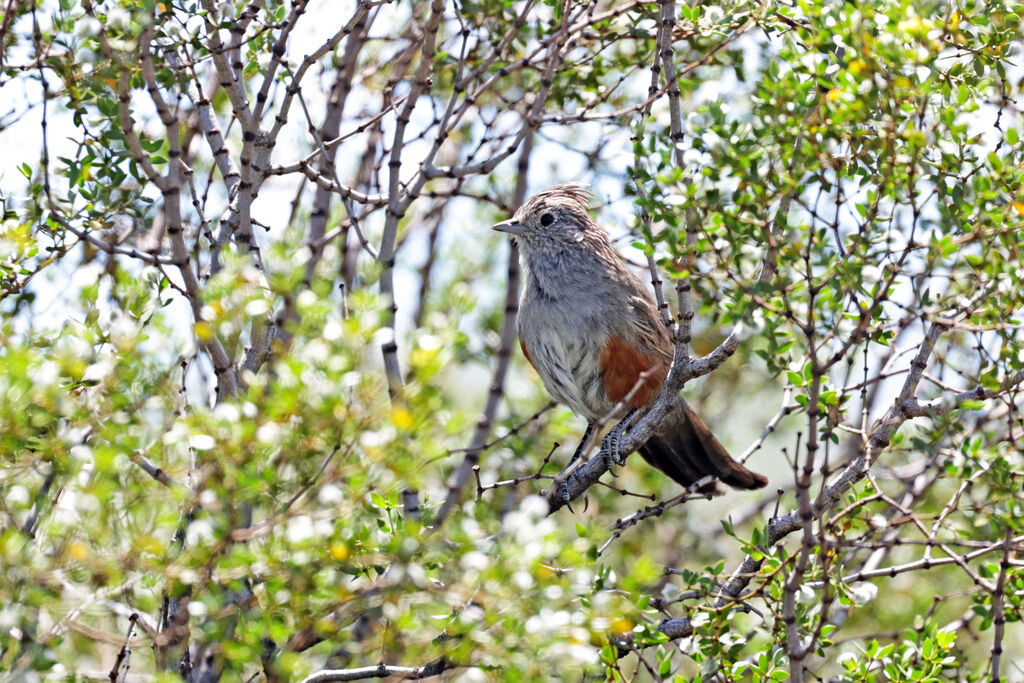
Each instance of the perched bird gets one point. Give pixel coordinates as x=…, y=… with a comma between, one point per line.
x=590, y=328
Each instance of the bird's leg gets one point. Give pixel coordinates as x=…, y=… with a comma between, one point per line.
x=583, y=443
x=610, y=444
x=563, y=488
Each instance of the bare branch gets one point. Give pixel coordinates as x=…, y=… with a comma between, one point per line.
x=378, y=671
x=420, y=81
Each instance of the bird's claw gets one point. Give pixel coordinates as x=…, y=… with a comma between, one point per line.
x=609, y=452
x=563, y=493
x=610, y=444
x=563, y=488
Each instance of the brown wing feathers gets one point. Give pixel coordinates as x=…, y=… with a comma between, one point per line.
x=684, y=448
x=622, y=365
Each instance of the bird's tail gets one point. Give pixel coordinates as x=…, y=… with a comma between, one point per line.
x=686, y=450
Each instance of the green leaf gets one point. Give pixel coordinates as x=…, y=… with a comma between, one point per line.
x=727, y=526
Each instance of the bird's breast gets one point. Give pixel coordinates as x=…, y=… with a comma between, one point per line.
x=564, y=345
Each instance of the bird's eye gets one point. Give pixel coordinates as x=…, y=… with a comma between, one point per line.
x=547, y=219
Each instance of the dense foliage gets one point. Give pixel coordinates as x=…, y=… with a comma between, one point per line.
x=261, y=411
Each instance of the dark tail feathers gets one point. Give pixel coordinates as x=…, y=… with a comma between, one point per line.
x=686, y=450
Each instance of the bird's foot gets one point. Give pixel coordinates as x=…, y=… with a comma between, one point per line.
x=610, y=443
x=563, y=488
x=563, y=493
x=609, y=459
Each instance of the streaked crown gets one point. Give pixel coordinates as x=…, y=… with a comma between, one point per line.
x=572, y=195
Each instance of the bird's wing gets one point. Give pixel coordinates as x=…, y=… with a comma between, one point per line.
x=648, y=327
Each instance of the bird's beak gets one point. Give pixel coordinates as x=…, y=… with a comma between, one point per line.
x=510, y=226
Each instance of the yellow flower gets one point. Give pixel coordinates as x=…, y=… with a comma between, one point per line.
x=401, y=418
x=78, y=551
x=622, y=626
x=203, y=330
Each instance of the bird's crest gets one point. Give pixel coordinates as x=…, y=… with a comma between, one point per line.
x=573, y=194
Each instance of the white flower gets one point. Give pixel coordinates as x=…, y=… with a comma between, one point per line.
x=475, y=561
x=523, y=580
x=472, y=614
x=98, y=371
x=201, y=442
x=18, y=495
x=582, y=653
x=88, y=27
x=332, y=330
x=692, y=157
x=378, y=438
x=81, y=452
x=316, y=351
x=713, y=140
x=119, y=18
x=227, y=412
x=257, y=307
x=123, y=330
x=174, y=435
x=268, y=432
x=472, y=676
x=299, y=529
x=330, y=494
x=863, y=592
x=199, y=532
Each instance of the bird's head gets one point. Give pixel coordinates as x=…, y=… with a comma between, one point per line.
x=555, y=216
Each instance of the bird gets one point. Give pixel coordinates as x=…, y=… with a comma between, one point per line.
x=591, y=329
